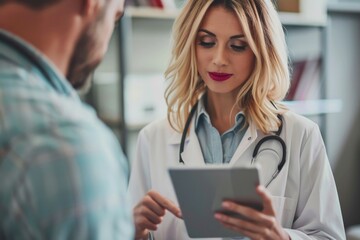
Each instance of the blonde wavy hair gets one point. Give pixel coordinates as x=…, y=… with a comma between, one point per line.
x=266, y=86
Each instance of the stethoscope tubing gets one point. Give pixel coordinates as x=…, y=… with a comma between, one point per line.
x=184, y=133
x=275, y=137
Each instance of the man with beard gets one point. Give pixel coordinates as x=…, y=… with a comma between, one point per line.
x=62, y=172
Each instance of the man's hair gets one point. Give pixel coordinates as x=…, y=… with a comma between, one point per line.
x=34, y=4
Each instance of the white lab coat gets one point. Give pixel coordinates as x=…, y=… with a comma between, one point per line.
x=304, y=193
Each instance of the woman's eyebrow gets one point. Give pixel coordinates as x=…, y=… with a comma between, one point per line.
x=208, y=32
x=238, y=36
x=214, y=35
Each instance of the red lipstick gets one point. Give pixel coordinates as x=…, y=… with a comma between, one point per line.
x=219, y=77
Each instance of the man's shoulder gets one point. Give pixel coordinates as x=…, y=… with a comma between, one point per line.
x=20, y=87
x=41, y=122
x=64, y=181
x=67, y=161
x=29, y=104
x=12, y=73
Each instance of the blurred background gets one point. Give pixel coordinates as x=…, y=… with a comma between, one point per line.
x=324, y=47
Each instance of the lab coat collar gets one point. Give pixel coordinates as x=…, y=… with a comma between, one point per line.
x=192, y=154
x=174, y=137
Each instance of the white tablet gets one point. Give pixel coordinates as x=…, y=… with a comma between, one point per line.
x=201, y=190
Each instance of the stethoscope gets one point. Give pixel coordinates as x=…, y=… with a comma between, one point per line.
x=275, y=137
x=33, y=58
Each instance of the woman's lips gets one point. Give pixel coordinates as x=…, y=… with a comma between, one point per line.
x=219, y=76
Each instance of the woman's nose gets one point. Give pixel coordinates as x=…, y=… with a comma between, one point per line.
x=220, y=57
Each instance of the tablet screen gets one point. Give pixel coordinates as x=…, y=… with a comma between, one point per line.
x=201, y=190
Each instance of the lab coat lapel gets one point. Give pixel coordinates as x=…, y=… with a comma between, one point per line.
x=192, y=154
x=249, y=137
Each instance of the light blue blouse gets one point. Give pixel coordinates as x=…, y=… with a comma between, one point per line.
x=216, y=148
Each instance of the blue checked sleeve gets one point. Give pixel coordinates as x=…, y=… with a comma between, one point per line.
x=66, y=183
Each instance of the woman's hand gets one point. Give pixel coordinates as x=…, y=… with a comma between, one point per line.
x=258, y=225
x=149, y=212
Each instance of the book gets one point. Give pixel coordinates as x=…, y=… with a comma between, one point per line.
x=297, y=71
x=157, y=4
x=142, y=3
x=309, y=80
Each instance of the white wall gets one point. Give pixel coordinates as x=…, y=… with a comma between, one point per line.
x=343, y=130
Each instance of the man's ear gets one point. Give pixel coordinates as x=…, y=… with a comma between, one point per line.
x=89, y=7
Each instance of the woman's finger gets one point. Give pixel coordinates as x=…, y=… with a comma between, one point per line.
x=144, y=223
x=233, y=221
x=143, y=211
x=267, y=201
x=165, y=203
x=248, y=212
x=150, y=203
x=246, y=228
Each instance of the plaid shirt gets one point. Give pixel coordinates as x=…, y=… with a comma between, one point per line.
x=62, y=172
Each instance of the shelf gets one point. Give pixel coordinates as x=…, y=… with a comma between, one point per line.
x=293, y=19
x=135, y=127
x=117, y=124
x=315, y=107
x=112, y=123
x=298, y=19
x=306, y=108
x=151, y=13
x=344, y=7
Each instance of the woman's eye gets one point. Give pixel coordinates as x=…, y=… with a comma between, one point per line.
x=238, y=48
x=206, y=44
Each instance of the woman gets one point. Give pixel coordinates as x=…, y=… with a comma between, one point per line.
x=230, y=61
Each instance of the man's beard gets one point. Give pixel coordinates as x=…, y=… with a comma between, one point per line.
x=82, y=63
